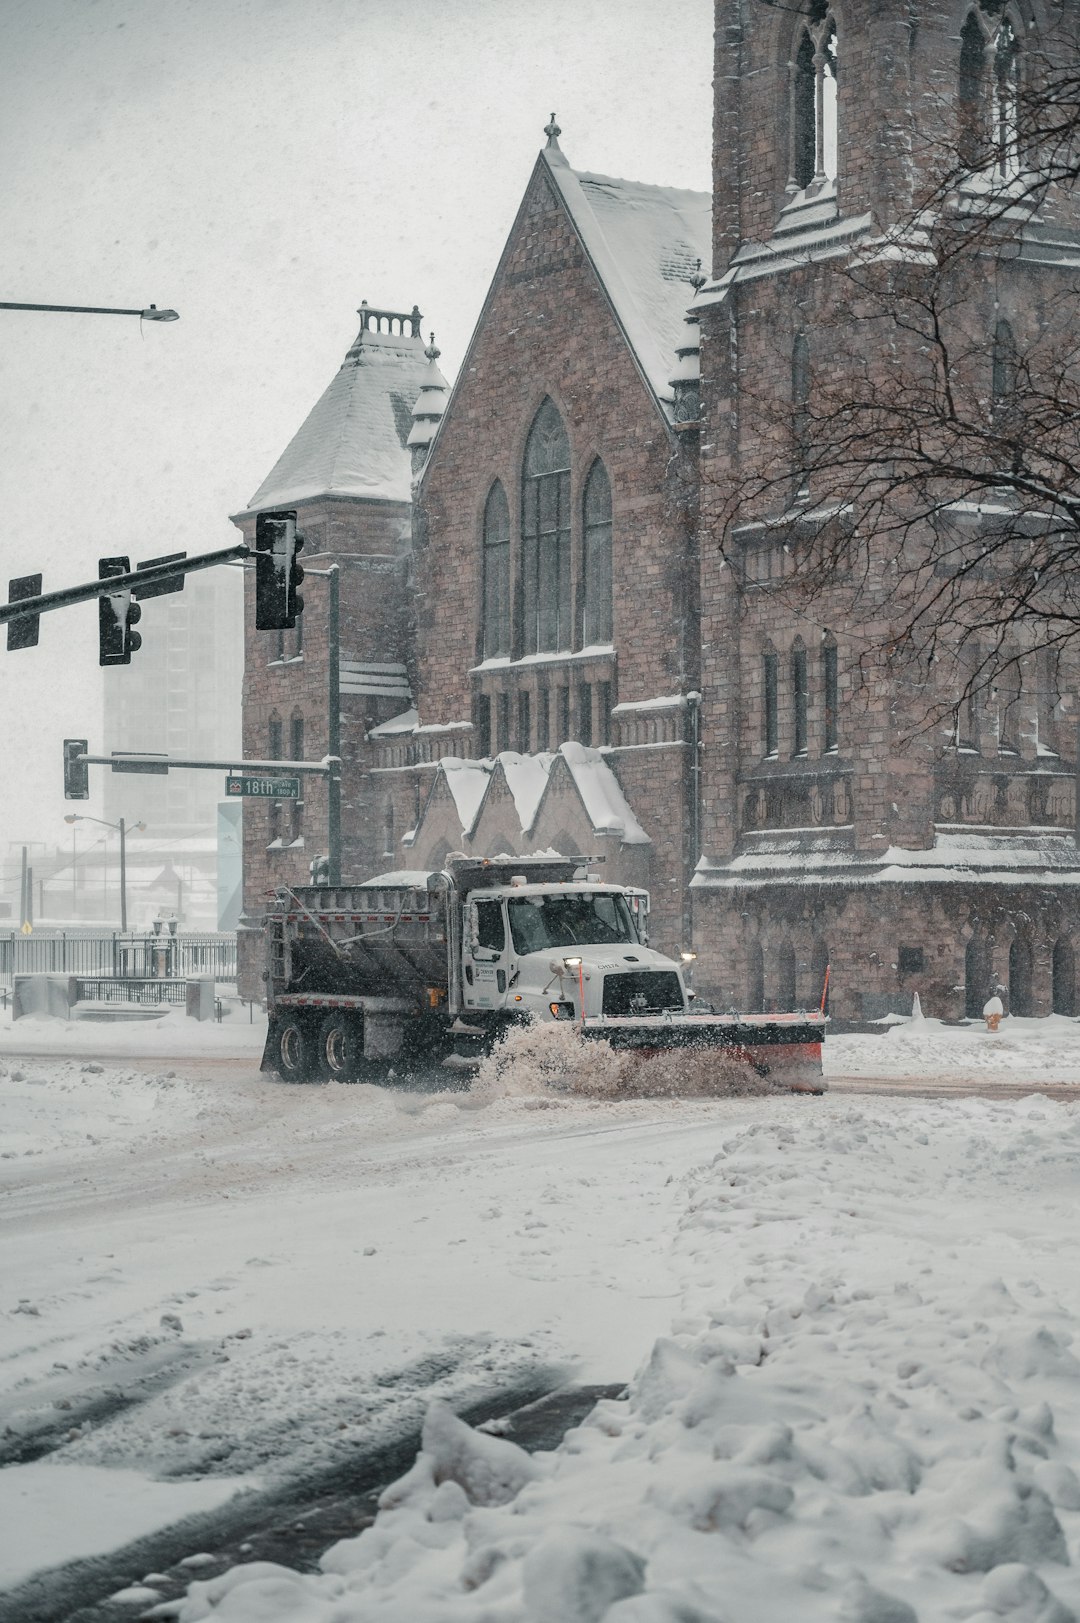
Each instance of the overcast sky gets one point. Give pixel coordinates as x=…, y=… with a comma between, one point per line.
x=260, y=166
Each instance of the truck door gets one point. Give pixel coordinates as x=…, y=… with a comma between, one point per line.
x=484, y=956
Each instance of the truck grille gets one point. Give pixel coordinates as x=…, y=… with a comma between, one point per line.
x=643, y=992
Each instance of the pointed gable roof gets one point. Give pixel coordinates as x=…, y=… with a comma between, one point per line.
x=353, y=442
x=645, y=244
x=529, y=780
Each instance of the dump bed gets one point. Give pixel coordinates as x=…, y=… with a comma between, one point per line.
x=384, y=939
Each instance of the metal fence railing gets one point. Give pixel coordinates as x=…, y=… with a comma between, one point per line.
x=112, y=954
x=106, y=990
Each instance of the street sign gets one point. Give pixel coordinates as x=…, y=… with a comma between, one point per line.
x=162, y=586
x=263, y=788
x=120, y=763
x=23, y=633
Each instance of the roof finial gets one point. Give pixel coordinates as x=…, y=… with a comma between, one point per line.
x=697, y=280
x=552, y=131
x=432, y=352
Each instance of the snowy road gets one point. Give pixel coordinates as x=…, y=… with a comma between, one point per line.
x=217, y=1284
x=213, y=1279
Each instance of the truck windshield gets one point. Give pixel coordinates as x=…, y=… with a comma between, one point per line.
x=538, y=923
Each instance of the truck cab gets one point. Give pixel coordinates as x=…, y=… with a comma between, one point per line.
x=563, y=951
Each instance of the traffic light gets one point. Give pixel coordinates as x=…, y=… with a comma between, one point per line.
x=117, y=613
x=76, y=772
x=23, y=633
x=277, y=573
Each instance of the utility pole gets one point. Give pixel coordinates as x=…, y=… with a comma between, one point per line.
x=333, y=741
x=332, y=576
x=123, y=876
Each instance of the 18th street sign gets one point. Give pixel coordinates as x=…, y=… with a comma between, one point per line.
x=263, y=788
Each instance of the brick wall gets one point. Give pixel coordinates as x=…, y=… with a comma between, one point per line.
x=891, y=780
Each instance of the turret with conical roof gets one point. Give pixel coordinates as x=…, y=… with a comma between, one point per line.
x=354, y=441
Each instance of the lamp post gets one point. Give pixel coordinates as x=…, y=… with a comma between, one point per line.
x=150, y=313
x=332, y=576
x=81, y=817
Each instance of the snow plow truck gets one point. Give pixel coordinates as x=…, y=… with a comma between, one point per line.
x=411, y=969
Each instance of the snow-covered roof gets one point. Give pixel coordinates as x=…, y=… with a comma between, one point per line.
x=607, y=806
x=645, y=243
x=354, y=440
x=467, y=782
x=406, y=722
x=528, y=778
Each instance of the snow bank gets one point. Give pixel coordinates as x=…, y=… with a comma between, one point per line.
x=866, y=1412
x=1020, y=1051
x=174, y=1035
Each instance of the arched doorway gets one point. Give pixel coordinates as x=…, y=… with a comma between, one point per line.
x=755, y=979
x=1064, y=977
x=785, y=978
x=819, y=964
x=1020, y=997
x=976, y=976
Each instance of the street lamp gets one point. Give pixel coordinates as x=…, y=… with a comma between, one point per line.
x=151, y=313
x=81, y=817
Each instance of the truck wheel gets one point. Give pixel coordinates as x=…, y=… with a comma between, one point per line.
x=340, y=1048
x=295, y=1054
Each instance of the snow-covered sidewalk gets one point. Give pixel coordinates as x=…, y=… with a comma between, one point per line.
x=867, y=1409
x=1026, y=1052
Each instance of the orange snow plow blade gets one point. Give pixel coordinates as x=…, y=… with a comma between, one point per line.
x=785, y=1049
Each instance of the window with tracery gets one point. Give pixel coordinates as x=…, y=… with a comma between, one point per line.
x=1003, y=367
x=545, y=536
x=496, y=572
x=990, y=88
x=814, y=99
x=830, y=677
x=800, y=695
x=596, y=617
x=800, y=412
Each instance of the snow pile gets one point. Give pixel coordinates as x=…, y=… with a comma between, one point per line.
x=171, y=1033
x=1020, y=1051
x=867, y=1412
x=545, y=1058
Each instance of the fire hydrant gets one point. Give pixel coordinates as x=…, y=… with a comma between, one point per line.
x=993, y=1009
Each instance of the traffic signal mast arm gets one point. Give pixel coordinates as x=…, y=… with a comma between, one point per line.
x=132, y=763
x=132, y=581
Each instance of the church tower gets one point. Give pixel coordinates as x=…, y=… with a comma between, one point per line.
x=842, y=824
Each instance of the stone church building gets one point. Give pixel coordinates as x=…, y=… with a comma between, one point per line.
x=543, y=646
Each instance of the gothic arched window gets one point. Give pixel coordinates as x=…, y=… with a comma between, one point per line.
x=972, y=89
x=596, y=616
x=1006, y=106
x=1003, y=367
x=989, y=89
x=800, y=410
x=814, y=99
x=830, y=681
x=496, y=574
x=800, y=695
x=545, y=536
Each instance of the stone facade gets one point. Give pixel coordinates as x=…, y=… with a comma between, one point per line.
x=845, y=829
